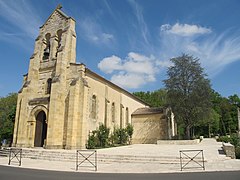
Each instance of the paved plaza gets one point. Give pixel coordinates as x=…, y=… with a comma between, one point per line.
x=141, y=158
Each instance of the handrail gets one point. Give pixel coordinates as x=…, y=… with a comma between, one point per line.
x=191, y=158
x=86, y=156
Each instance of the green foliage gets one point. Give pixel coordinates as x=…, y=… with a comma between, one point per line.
x=227, y=110
x=129, y=130
x=92, y=141
x=156, y=98
x=7, y=116
x=121, y=135
x=218, y=117
x=98, y=138
x=234, y=140
x=237, y=152
x=101, y=138
x=102, y=135
x=209, y=126
x=188, y=92
x=225, y=139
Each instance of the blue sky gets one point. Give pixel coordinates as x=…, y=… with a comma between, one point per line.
x=129, y=42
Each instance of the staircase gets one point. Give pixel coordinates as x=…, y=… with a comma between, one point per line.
x=70, y=156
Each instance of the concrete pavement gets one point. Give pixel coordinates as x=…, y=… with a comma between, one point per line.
x=141, y=158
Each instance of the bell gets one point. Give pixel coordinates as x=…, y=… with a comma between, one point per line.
x=46, y=51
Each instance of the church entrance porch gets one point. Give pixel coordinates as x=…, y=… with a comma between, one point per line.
x=40, y=130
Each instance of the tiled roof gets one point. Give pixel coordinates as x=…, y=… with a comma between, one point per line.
x=142, y=111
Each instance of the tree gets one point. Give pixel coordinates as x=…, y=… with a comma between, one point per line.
x=234, y=100
x=188, y=92
x=227, y=110
x=156, y=98
x=7, y=116
x=208, y=126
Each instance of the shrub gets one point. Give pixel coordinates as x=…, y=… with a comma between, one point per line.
x=98, y=138
x=129, y=130
x=234, y=140
x=237, y=152
x=102, y=138
x=225, y=139
x=121, y=135
x=92, y=141
x=102, y=135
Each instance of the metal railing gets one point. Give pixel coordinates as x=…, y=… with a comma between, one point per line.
x=13, y=154
x=84, y=158
x=191, y=156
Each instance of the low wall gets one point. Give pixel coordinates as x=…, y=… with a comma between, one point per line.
x=149, y=128
x=178, y=142
x=229, y=150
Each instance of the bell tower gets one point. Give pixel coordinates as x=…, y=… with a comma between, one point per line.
x=55, y=47
x=45, y=87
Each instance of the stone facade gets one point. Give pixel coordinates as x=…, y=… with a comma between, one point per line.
x=61, y=101
x=229, y=150
x=152, y=124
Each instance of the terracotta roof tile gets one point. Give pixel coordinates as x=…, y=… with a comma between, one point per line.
x=142, y=111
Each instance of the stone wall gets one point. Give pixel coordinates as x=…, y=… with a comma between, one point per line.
x=149, y=128
x=229, y=150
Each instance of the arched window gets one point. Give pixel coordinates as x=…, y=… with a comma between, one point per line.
x=127, y=116
x=94, y=107
x=113, y=112
x=59, y=38
x=46, y=52
x=49, y=85
x=121, y=116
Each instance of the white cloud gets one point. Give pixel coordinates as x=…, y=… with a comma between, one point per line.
x=217, y=52
x=214, y=51
x=143, y=28
x=184, y=29
x=127, y=80
x=22, y=15
x=138, y=57
x=133, y=71
x=110, y=64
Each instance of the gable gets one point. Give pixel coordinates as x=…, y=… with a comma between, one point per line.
x=57, y=20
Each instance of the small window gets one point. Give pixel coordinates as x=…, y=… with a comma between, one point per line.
x=59, y=39
x=49, y=86
x=127, y=116
x=121, y=116
x=46, y=52
x=94, y=107
x=113, y=112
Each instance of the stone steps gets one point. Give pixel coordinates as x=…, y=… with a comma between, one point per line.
x=4, y=153
x=70, y=156
x=102, y=157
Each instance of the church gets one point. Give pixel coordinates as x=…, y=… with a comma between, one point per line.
x=62, y=101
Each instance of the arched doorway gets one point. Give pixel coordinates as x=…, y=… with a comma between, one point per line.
x=40, y=130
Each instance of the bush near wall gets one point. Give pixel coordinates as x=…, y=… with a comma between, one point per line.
x=234, y=140
x=102, y=138
x=237, y=152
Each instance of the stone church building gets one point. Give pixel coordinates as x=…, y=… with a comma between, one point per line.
x=61, y=101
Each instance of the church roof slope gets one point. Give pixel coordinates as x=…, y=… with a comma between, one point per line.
x=112, y=84
x=144, y=111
